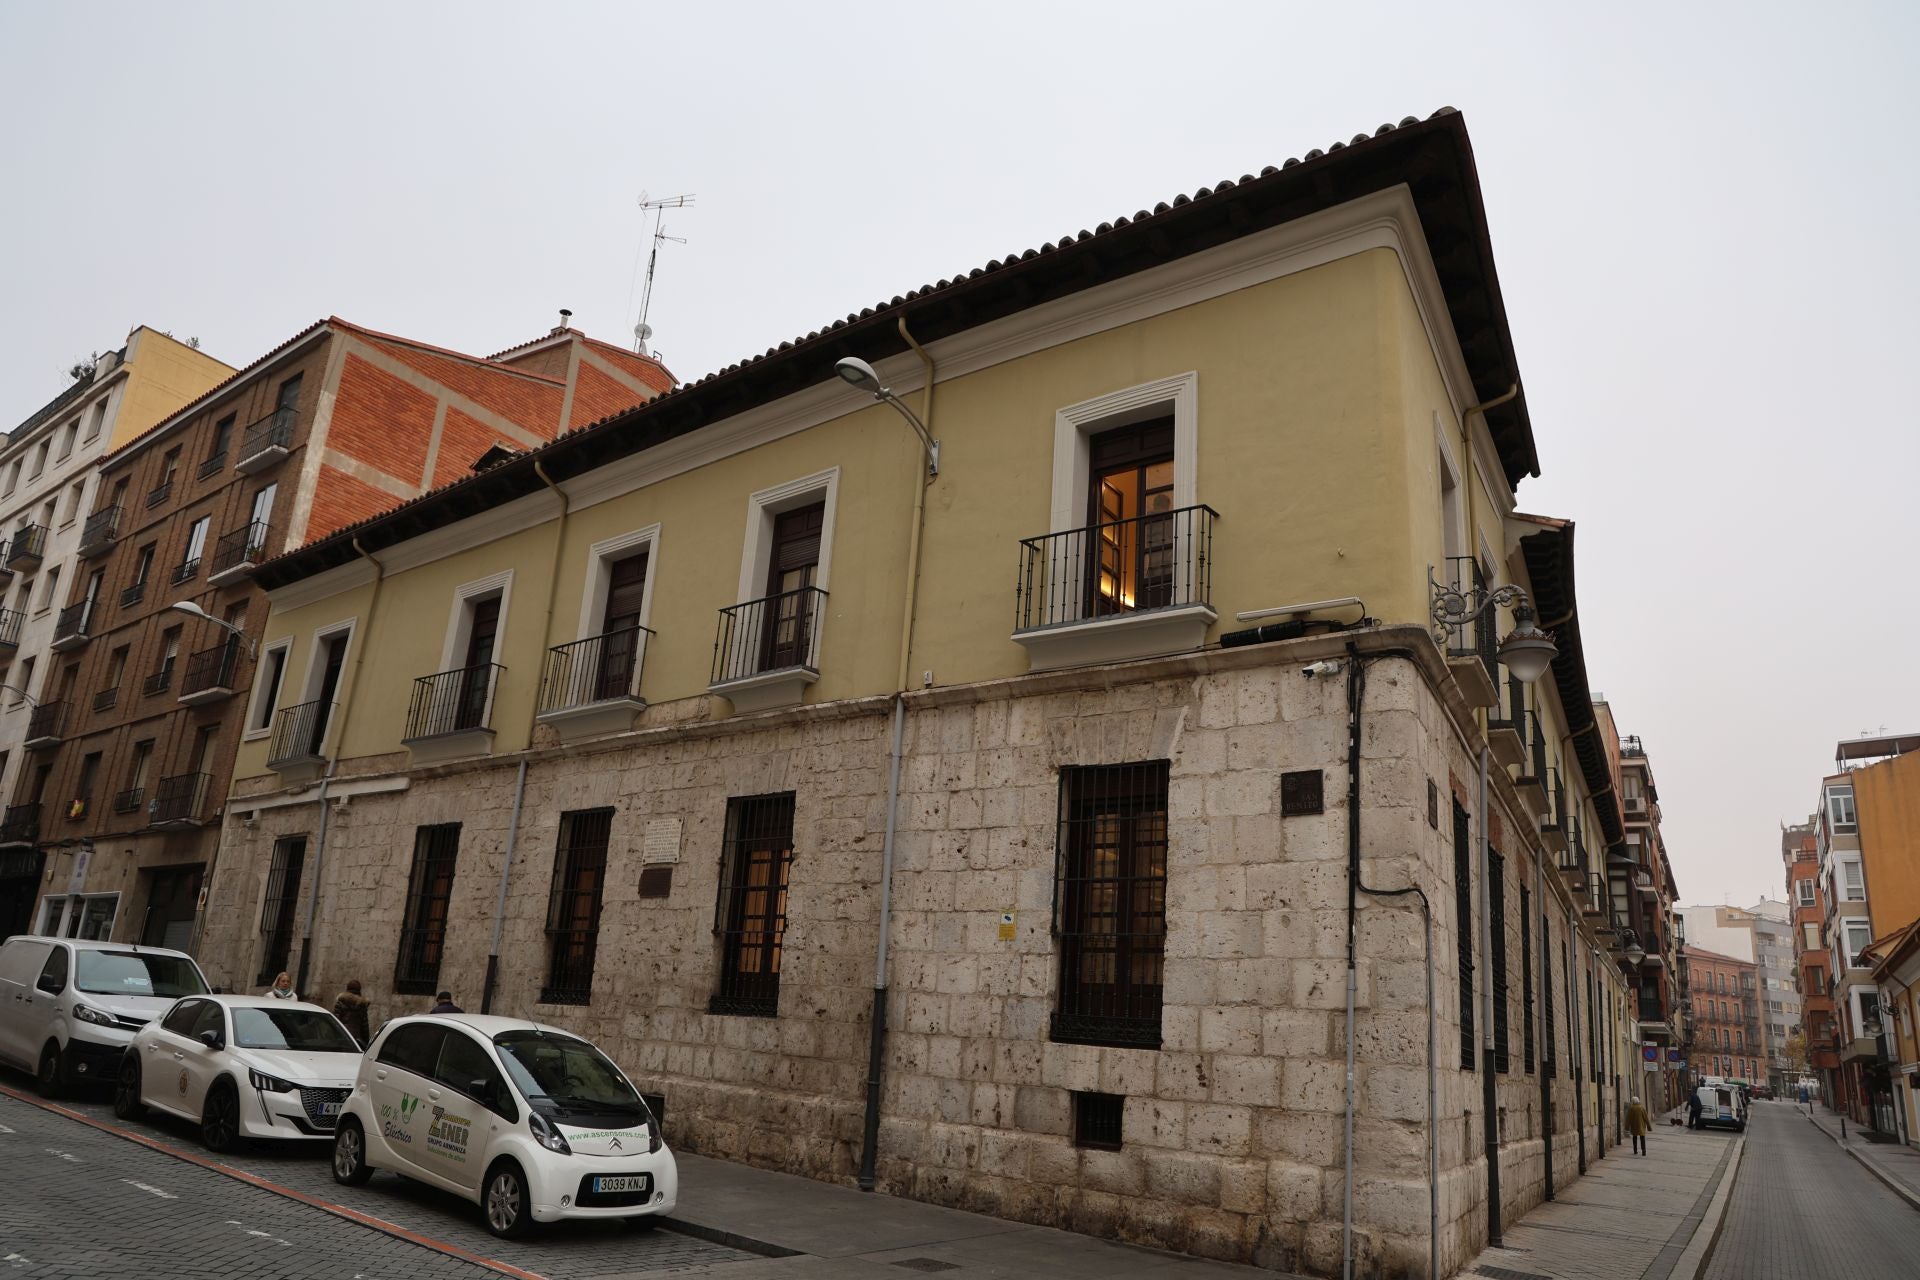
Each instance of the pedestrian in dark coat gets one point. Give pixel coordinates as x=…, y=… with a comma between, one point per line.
x=1693, y=1108
x=351, y=1008
x=446, y=1004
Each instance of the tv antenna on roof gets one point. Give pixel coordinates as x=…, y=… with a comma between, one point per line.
x=642, y=330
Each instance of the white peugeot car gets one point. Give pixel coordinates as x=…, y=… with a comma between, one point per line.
x=528, y=1121
x=241, y=1066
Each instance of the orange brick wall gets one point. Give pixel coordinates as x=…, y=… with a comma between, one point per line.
x=381, y=421
x=462, y=441
x=596, y=396
x=532, y=402
x=340, y=499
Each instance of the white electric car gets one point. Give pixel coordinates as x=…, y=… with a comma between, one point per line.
x=528, y=1121
x=241, y=1066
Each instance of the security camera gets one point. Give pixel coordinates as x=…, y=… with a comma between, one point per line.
x=1324, y=667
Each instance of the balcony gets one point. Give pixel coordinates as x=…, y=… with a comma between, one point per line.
x=6, y=569
x=11, y=621
x=159, y=682
x=237, y=554
x=1532, y=777
x=28, y=546
x=1553, y=826
x=265, y=443
x=180, y=801
x=105, y=699
x=46, y=726
x=21, y=825
x=160, y=493
x=72, y=630
x=299, y=736
x=128, y=801
x=767, y=651
x=97, y=535
x=1507, y=725
x=134, y=594
x=209, y=676
x=448, y=715
x=1109, y=592
x=592, y=687
x=185, y=571
x=1473, y=648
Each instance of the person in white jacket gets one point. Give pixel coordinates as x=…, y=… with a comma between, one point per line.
x=282, y=988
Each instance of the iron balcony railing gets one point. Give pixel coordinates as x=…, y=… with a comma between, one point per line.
x=244, y=546
x=1475, y=637
x=211, y=669
x=160, y=492
x=106, y=698
x=1158, y=561
x=128, y=801
x=101, y=529
x=213, y=464
x=1556, y=817
x=73, y=620
x=299, y=732
x=47, y=721
x=134, y=594
x=185, y=571
x=11, y=620
x=1534, y=734
x=160, y=681
x=181, y=798
x=597, y=669
x=275, y=431
x=21, y=825
x=775, y=633
x=454, y=701
x=1650, y=1009
x=28, y=545
x=1510, y=712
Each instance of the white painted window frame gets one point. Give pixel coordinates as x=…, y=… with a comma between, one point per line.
x=599, y=580
x=757, y=552
x=460, y=625
x=266, y=697
x=316, y=644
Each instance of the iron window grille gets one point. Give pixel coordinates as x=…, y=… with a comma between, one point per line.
x=423, y=930
x=1526, y=978
x=573, y=906
x=1110, y=904
x=751, y=912
x=11, y=621
x=128, y=801
x=1497, y=931
x=1549, y=1055
x=1097, y=1120
x=1163, y=560
x=1463, y=928
x=133, y=594
x=276, y=912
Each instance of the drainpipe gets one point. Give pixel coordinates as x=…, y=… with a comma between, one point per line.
x=520, y=776
x=1489, y=1100
x=339, y=736
x=877, y=1020
x=1544, y=966
x=1573, y=1045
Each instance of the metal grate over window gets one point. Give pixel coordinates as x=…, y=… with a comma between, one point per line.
x=1497, y=932
x=276, y=912
x=1097, y=1119
x=751, y=912
x=573, y=908
x=423, y=929
x=1526, y=978
x=1463, y=927
x=1110, y=904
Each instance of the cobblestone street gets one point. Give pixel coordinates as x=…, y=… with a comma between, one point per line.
x=1804, y=1208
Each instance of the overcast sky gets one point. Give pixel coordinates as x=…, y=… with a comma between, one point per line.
x=1703, y=220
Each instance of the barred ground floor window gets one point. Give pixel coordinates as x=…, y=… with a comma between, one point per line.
x=750, y=914
x=573, y=906
x=276, y=911
x=423, y=929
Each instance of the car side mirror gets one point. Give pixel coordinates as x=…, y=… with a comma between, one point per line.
x=213, y=1040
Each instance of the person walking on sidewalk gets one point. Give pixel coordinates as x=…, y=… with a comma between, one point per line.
x=1638, y=1126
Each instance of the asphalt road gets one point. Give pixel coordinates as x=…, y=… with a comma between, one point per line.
x=76, y=1201
x=1802, y=1209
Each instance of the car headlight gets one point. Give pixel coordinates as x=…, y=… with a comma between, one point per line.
x=268, y=1084
x=87, y=1013
x=546, y=1134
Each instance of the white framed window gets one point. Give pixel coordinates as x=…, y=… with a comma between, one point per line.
x=40, y=458
x=763, y=510
x=1811, y=930
x=616, y=607
x=1853, y=881
x=1859, y=934
x=1806, y=893
x=771, y=637
x=1075, y=426
x=88, y=916
x=327, y=655
x=1840, y=809
x=266, y=688
x=196, y=543
x=468, y=644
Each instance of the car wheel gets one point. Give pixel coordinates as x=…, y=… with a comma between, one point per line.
x=350, y=1167
x=126, y=1094
x=51, y=1079
x=220, y=1121
x=508, y=1206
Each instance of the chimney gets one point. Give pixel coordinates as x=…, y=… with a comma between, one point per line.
x=566, y=320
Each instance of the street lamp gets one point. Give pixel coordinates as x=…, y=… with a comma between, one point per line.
x=15, y=689
x=856, y=372
x=193, y=610
x=1527, y=651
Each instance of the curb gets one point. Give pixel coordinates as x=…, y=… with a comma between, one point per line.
x=1699, y=1250
x=731, y=1239
x=265, y=1184
x=1911, y=1199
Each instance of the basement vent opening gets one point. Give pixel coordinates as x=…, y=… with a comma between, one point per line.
x=656, y=882
x=1096, y=1120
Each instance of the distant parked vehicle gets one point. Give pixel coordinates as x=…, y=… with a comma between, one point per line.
x=1723, y=1105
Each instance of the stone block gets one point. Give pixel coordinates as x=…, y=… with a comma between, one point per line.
x=1313, y=1084
x=1293, y=1191
x=1183, y=1076
x=1220, y=1129
x=1128, y=1072
x=1230, y=1030
x=1182, y=1177
x=1294, y=1033
x=1252, y=1081
x=1038, y=1109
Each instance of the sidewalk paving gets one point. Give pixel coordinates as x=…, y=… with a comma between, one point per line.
x=836, y=1231
x=1895, y=1164
x=1630, y=1218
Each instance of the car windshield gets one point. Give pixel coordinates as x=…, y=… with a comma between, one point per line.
x=565, y=1076
x=135, y=973
x=298, y=1030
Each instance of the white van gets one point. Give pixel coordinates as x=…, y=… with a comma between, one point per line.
x=69, y=1009
x=1722, y=1104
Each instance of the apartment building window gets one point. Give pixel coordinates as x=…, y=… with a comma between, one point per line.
x=13, y=476
x=266, y=697
x=1463, y=928
x=50, y=589
x=217, y=452
x=40, y=458
x=1526, y=978
x=1110, y=902
x=98, y=419
x=1805, y=890
x=751, y=913
x=161, y=680
x=75, y=492
x=276, y=909
x=573, y=906
x=1859, y=934
x=196, y=547
x=1840, y=809
x=1854, y=880
x=82, y=802
x=1549, y=1056
x=1497, y=929
x=1810, y=937
x=423, y=929
x=67, y=436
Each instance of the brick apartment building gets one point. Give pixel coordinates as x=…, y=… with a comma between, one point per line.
x=131, y=746
x=1726, y=1019
x=1800, y=851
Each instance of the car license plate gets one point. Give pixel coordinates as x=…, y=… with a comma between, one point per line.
x=608, y=1184
x=329, y=1108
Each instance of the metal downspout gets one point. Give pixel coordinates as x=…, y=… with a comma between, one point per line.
x=339, y=731
x=1543, y=966
x=877, y=1019
x=520, y=777
x=1489, y=1099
